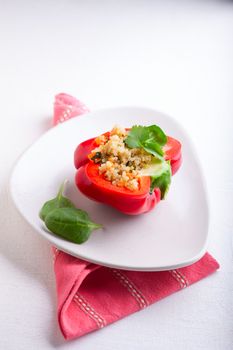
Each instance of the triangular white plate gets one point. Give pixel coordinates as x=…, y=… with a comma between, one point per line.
x=172, y=235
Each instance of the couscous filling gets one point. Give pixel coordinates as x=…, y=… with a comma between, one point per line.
x=118, y=163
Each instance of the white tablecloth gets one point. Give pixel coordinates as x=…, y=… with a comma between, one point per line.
x=174, y=56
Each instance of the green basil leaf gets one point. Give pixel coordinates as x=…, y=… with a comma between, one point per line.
x=150, y=138
x=157, y=135
x=71, y=224
x=137, y=136
x=58, y=202
x=153, y=148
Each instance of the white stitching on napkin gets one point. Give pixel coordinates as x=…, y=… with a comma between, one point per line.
x=89, y=310
x=131, y=288
x=180, y=278
x=184, y=279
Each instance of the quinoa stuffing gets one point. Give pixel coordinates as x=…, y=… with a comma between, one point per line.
x=118, y=163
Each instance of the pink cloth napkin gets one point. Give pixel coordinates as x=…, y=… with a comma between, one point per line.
x=92, y=296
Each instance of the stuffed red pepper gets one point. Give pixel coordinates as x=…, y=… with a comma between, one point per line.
x=128, y=169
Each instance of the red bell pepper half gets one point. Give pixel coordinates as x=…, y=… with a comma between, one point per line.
x=96, y=187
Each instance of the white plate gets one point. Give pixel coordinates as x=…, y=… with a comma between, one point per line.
x=172, y=235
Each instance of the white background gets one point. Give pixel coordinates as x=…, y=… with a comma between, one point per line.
x=174, y=56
